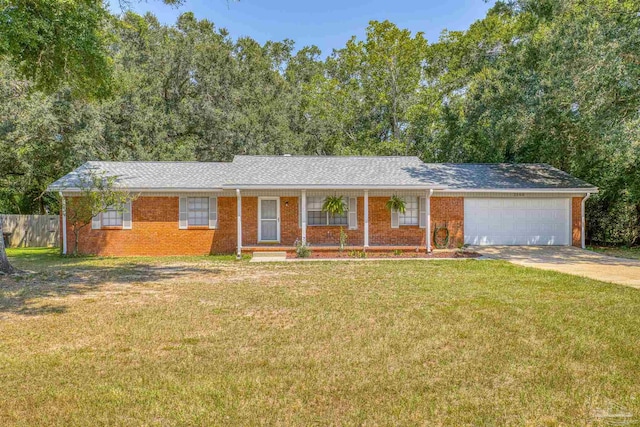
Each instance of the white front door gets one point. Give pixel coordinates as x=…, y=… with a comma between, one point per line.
x=269, y=219
x=515, y=221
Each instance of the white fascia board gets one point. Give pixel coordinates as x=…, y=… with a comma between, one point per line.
x=521, y=190
x=334, y=187
x=147, y=190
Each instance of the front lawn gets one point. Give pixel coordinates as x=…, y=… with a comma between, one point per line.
x=212, y=341
x=618, y=251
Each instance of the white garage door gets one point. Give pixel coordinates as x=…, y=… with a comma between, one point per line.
x=510, y=221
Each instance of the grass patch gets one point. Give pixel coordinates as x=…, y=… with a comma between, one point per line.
x=618, y=251
x=191, y=341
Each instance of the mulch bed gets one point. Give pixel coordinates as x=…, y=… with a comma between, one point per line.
x=387, y=255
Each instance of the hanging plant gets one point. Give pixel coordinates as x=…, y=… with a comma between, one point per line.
x=334, y=205
x=396, y=203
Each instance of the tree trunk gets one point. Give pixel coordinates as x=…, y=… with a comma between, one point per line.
x=76, y=233
x=5, y=267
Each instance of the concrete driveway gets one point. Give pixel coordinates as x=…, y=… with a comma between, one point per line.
x=569, y=260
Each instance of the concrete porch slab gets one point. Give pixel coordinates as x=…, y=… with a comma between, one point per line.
x=273, y=256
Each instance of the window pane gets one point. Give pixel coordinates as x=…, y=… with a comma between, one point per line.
x=410, y=217
x=112, y=218
x=314, y=203
x=338, y=219
x=198, y=210
x=316, y=218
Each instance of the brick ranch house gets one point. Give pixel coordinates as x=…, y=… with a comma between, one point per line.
x=270, y=202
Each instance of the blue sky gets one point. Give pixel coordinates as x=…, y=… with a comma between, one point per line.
x=328, y=24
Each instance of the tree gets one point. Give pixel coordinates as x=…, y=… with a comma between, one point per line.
x=5, y=266
x=97, y=193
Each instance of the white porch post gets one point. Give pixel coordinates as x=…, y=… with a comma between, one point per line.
x=239, y=223
x=428, y=225
x=366, y=218
x=64, y=224
x=303, y=215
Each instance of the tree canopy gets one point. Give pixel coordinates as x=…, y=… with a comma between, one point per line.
x=553, y=81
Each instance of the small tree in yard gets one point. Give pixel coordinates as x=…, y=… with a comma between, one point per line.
x=5, y=266
x=97, y=194
x=335, y=205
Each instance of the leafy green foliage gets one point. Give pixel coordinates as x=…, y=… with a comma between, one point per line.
x=97, y=192
x=554, y=82
x=334, y=205
x=396, y=203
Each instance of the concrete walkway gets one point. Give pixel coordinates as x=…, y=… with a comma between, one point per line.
x=569, y=260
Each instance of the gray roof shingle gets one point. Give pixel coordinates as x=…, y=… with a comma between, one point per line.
x=327, y=171
x=322, y=171
x=152, y=175
x=502, y=176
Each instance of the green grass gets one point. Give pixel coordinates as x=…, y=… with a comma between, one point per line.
x=203, y=341
x=618, y=251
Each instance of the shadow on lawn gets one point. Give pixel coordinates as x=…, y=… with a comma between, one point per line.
x=24, y=294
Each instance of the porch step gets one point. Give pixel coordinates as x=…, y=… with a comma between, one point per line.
x=269, y=256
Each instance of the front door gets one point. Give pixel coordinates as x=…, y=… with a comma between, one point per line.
x=269, y=219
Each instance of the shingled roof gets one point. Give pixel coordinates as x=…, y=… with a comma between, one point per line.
x=324, y=171
x=327, y=172
x=151, y=175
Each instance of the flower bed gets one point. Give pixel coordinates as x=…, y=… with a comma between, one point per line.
x=386, y=254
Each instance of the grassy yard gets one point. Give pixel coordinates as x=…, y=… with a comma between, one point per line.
x=618, y=251
x=212, y=341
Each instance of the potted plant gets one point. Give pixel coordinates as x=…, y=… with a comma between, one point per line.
x=335, y=205
x=396, y=203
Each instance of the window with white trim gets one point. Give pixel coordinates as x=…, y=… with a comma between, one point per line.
x=198, y=211
x=411, y=214
x=112, y=217
x=315, y=215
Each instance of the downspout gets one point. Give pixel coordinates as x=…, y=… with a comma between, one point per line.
x=64, y=224
x=429, y=220
x=239, y=224
x=584, y=199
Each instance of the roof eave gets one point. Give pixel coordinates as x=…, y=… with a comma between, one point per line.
x=329, y=187
x=144, y=189
x=591, y=190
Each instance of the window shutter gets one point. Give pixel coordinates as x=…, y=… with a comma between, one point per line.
x=127, y=216
x=353, y=213
x=422, y=212
x=182, y=220
x=96, y=223
x=395, y=219
x=213, y=212
x=299, y=212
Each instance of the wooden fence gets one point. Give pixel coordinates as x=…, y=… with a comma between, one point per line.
x=31, y=230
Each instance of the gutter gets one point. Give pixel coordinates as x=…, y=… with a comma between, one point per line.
x=522, y=190
x=144, y=190
x=584, y=199
x=332, y=187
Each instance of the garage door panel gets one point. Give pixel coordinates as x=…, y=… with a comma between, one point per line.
x=505, y=221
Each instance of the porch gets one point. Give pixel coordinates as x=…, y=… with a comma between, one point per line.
x=273, y=221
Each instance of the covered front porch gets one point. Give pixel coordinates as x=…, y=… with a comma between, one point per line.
x=277, y=220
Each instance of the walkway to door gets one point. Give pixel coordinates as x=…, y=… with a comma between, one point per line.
x=571, y=260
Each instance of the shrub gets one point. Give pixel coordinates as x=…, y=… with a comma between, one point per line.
x=302, y=249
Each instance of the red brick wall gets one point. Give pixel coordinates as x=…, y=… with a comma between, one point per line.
x=330, y=235
x=155, y=232
x=448, y=212
x=155, y=229
x=576, y=221
x=381, y=233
